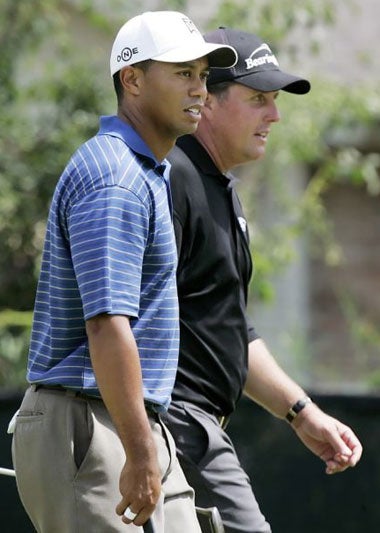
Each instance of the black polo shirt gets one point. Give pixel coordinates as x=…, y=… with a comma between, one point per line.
x=213, y=274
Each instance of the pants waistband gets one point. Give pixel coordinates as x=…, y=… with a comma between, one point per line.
x=149, y=406
x=59, y=388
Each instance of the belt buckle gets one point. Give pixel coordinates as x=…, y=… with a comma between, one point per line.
x=223, y=421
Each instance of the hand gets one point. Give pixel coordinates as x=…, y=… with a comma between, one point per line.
x=140, y=486
x=335, y=443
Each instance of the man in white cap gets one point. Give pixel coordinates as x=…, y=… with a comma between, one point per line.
x=221, y=356
x=90, y=451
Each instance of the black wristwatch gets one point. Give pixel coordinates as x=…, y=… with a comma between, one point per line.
x=296, y=408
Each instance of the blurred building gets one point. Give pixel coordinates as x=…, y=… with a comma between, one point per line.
x=325, y=323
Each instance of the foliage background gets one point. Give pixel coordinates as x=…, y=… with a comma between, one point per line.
x=52, y=91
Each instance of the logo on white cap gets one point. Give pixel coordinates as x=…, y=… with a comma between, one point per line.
x=190, y=24
x=127, y=53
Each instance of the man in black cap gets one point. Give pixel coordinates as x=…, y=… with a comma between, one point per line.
x=221, y=356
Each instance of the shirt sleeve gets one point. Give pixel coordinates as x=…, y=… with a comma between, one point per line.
x=252, y=334
x=108, y=232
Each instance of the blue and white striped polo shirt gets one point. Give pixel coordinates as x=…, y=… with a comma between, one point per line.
x=109, y=248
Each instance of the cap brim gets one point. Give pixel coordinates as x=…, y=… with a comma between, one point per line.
x=219, y=56
x=274, y=80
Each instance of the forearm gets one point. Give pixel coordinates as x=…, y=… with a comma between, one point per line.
x=267, y=384
x=116, y=365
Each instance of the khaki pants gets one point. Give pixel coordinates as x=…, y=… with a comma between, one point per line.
x=68, y=458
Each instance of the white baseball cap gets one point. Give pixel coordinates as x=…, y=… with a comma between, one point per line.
x=167, y=36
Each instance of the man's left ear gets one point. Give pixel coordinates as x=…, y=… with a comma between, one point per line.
x=129, y=77
x=209, y=103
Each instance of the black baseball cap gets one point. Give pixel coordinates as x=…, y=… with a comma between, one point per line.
x=257, y=66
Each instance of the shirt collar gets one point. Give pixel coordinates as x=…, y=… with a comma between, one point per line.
x=114, y=126
x=202, y=159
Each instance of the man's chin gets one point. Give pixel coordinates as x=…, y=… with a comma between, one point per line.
x=258, y=154
x=189, y=128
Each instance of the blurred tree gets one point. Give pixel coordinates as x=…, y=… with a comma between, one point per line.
x=51, y=100
x=49, y=107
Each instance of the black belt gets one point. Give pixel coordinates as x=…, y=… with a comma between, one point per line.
x=149, y=406
x=70, y=392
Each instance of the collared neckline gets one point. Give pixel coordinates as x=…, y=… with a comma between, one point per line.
x=202, y=159
x=114, y=126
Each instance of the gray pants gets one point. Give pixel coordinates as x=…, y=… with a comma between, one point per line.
x=68, y=458
x=210, y=463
